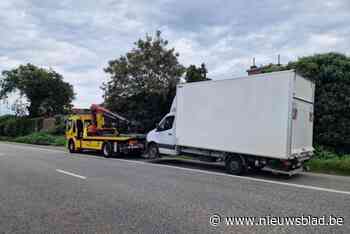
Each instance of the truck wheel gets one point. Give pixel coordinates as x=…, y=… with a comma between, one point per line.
x=71, y=147
x=153, y=151
x=107, y=150
x=235, y=165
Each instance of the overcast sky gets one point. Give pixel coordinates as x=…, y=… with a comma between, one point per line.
x=78, y=37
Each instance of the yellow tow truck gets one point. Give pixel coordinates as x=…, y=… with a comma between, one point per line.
x=96, y=129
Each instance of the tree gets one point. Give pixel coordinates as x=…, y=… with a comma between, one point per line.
x=45, y=90
x=20, y=107
x=143, y=82
x=194, y=74
x=331, y=73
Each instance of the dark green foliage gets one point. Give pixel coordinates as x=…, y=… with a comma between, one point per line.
x=38, y=122
x=60, y=126
x=41, y=138
x=59, y=129
x=45, y=89
x=5, y=118
x=331, y=73
x=322, y=153
x=4, y=138
x=19, y=126
x=194, y=74
x=143, y=82
x=334, y=165
x=11, y=126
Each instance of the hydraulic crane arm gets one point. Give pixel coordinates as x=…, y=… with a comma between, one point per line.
x=95, y=109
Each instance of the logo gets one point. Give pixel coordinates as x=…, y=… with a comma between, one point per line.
x=215, y=220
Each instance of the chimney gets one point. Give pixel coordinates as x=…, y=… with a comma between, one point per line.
x=254, y=69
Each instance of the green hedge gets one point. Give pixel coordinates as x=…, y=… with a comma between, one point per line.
x=338, y=165
x=5, y=118
x=322, y=152
x=41, y=138
x=13, y=127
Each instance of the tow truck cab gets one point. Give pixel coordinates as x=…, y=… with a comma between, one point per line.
x=107, y=140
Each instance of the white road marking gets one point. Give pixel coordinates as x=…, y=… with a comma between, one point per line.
x=244, y=177
x=71, y=174
x=204, y=172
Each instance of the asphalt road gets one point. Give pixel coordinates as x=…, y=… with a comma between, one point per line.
x=47, y=190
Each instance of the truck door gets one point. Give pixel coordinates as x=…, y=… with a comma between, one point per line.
x=302, y=126
x=166, y=135
x=80, y=129
x=69, y=128
x=302, y=116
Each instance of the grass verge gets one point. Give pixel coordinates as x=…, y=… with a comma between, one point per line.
x=328, y=161
x=337, y=165
x=38, y=138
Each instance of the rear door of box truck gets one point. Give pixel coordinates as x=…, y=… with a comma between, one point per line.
x=302, y=115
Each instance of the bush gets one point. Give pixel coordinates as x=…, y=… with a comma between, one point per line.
x=5, y=118
x=324, y=153
x=3, y=138
x=14, y=126
x=41, y=138
x=327, y=161
x=59, y=141
x=60, y=126
x=59, y=129
x=337, y=165
x=38, y=124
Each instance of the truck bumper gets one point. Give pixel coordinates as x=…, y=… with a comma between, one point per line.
x=289, y=173
x=289, y=167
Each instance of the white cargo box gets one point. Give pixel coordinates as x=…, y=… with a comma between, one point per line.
x=268, y=115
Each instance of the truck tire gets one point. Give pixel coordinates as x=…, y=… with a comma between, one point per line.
x=71, y=147
x=235, y=165
x=153, y=151
x=107, y=150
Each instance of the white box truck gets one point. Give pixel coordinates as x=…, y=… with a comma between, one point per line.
x=252, y=122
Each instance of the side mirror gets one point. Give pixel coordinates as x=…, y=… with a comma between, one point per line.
x=157, y=127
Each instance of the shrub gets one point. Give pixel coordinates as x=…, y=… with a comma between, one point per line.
x=60, y=141
x=337, y=165
x=327, y=161
x=10, y=128
x=58, y=129
x=324, y=153
x=38, y=124
x=5, y=118
x=41, y=138
x=13, y=127
x=3, y=138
